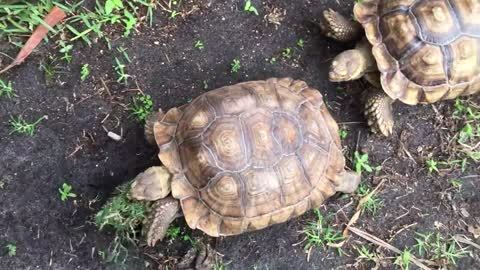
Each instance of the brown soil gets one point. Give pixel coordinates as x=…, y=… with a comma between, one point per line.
x=72, y=146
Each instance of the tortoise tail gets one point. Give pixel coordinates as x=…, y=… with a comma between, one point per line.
x=149, y=123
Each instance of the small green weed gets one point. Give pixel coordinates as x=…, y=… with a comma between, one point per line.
x=272, y=60
x=219, y=266
x=11, y=250
x=432, y=166
x=300, y=43
x=361, y=163
x=235, y=65
x=66, y=50
x=465, y=111
x=287, y=53
x=468, y=133
x=320, y=234
x=174, y=14
x=19, y=125
x=249, y=7
x=66, y=192
x=84, y=72
x=142, y=106
x=366, y=254
x=50, y=69
x=403, y=260
x=456, y=184
x=173, y=232
x=6, y=89
x=120, y=69
x=124, y=53
x=343, y=133
x=199, y=45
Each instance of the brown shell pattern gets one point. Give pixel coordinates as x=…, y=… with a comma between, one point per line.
x=426, y=50
x=251, y=155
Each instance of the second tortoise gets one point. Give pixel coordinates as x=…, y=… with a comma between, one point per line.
x=416, y=51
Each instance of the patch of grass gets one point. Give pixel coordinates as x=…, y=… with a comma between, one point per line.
x=84, y=72
x=438, y=248
x=123, y=216
x=403, y=260
x=366, y=254
x=235, y=65
x=141, y=106
x=65, y=192
x=373, y=204
x=6, y=89
x=199, y=45
x=19, y=125
x=20, y=19
x=432, y=166
x=463, y=110
x=173, y=232
x=320, y=234
x=249, y=7
x=361, y=163
x=11, y=250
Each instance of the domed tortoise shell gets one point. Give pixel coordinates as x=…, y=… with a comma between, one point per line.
x=250, y=155
x=426, y=50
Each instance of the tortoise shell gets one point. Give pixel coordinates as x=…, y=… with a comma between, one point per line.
x=426, y=50
x=250, y=155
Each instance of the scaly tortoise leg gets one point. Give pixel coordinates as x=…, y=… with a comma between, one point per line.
x=338, y=27
x=201, y=257
x=378, y=111
x=163, y=213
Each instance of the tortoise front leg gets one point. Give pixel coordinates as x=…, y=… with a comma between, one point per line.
x=338, y=27
x=163, y=213
x=378, y=111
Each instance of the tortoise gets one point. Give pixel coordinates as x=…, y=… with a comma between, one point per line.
x=417, y=51
x=241, y=158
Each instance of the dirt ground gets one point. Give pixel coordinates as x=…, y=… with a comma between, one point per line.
x=72, y=146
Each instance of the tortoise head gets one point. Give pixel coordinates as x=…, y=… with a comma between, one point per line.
x=151, y=185
x=347, y=66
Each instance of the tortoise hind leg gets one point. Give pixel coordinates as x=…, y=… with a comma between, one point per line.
x=378, y=111
x=164, y=211
x=200, y=257
x=338, y=27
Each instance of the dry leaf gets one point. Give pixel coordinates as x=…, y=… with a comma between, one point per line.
x=52, y=19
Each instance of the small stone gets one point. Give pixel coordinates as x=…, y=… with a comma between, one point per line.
x=114, y=136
